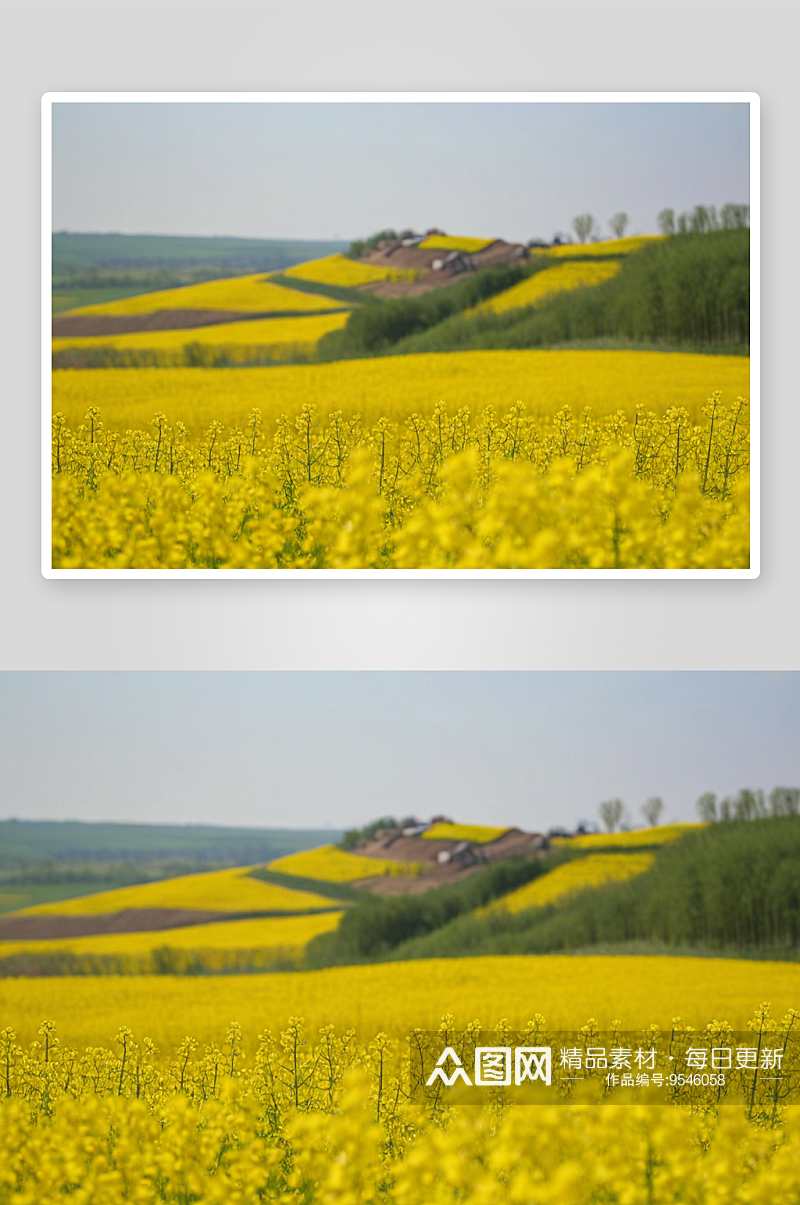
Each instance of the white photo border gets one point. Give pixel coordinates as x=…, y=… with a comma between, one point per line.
x=750, y=98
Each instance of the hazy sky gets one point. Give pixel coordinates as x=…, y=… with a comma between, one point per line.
x=318, y=749
x=325, y=170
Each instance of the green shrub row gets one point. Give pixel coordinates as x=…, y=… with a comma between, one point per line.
x=378, y=925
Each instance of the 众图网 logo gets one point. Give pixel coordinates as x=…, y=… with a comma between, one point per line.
x=493, y=1066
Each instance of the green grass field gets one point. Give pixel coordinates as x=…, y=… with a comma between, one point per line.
x=70, y=840
x=66, y=297
x=114, y=252
x=14, y=896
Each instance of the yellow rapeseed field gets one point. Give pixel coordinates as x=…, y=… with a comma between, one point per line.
x=215, y=891
x=237, y=1146
x=570, y=878
x=345, y=272
x=641, y=836
x=333, y=865
x=254, y=294
x=395, y=997
x=329, y=1118
x=244, y=339
x=275, y=1106
x=558, y=279
x=509, y=492
x=618, y=246
x=451, y=242
x=394, y=387
x=479, y=833
x=288, y=935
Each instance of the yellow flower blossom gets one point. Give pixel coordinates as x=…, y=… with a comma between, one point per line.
x=444, y=492
x=342, y=271
x=558, y=279
x=479, y=833
x=640, y=836
x=230, y=890
x=334, y=865
x=566, y=880
x=254, y=294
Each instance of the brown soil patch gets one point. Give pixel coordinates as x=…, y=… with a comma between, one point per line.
x=394, y=255
x=499, y=252
x=405, y=849
x=516, y=844
x=133, y=920
x=400, y=885
x=411, y=288
x=65, y=325
x=77, y=325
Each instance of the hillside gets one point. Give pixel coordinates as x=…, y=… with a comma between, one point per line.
x=430, y=890
x=90, y=269
x=686, y=291
x=254, y=917
x=724, y=888
x=43, y=862
x=417, y=295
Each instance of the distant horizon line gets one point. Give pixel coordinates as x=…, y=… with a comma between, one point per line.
x=244, y=238
x=323, y=828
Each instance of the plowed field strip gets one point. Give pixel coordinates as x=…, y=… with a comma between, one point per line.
x=131, y=920
x=86, y=325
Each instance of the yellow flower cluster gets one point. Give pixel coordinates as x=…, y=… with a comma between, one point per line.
x=349, y=273
x=478, y=833
x=214, y=947
x=254, y=294
x=572, y=877
x=241, y=341
x=333, y=865
x=558, y=279
x=230, y=890
x=394, y=387
x=444, y=492
x=325, y=1120
x=641, y=836
x=617, y=246
x=397, y=996
x=452, y=242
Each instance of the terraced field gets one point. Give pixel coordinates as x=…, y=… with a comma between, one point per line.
x=254, y=294
x=620, y=246
x=345, y=272
x=219, y=920
x=301, y=334
x=571, y=878
x=479, y=833
x=231, y=891
x=285, y=937
x=558, y=279
x=449, y=242
x=642, y=836
x=333, y=865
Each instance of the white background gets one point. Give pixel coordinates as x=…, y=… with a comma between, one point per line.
x=382, y=45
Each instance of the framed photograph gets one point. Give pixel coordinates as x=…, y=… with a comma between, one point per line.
x=444, y=335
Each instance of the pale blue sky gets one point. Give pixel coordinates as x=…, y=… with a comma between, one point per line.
x=339, y=749
x=510, y=170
